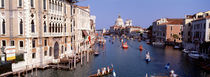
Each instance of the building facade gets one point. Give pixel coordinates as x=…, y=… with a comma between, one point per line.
x=120, y=25
x=128, y=22
x=201, y=30
x=167, y=30
x=119, y=22
x=43, y=30
x=85, y=28
x=196, y=30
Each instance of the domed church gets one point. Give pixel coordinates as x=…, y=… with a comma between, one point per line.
x=119, y=21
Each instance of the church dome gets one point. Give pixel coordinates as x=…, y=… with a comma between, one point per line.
x=119, y=21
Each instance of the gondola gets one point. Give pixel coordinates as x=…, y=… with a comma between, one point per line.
x=106, y=73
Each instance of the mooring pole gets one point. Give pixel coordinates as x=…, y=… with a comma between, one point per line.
x=36, y=71
x=87, y=56
x=75, y=62
x=26, y=71
x=82, y=57
x=18, y=74
x=32, y=71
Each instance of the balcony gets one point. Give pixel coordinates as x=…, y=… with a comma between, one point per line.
x=55, y=34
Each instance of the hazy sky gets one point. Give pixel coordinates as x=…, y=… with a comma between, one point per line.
x=142, y=12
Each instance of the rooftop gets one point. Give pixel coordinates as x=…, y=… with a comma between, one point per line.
x=173, y=21
x=198, y=19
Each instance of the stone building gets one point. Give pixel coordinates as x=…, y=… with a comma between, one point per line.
x=43, y=30
x=85, y=27
x=119, y=21
x=165, y=30
x=120, y=25
x=195, y=30
x=128, y=22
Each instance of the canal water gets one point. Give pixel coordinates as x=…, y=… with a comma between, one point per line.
x=131, y=63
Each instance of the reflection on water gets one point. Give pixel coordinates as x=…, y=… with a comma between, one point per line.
x=130, y=62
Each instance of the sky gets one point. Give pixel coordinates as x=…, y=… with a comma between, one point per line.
x=142, y=12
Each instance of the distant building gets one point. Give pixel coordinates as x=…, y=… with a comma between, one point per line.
x=104, y=30
x=131, y=29
x=167, y=29
x=119, y=22
x=120, y=25
x=116, y=29
x=128, y=22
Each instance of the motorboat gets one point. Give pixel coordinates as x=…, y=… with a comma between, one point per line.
x=204, y=56
x=185, y=51
x=176, y=47
x=194, y=54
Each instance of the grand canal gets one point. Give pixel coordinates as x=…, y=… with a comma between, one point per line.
x=131, y=63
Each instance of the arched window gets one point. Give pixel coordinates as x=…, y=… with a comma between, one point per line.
x=2, y=3
x=71, y=28
x=44, y=4
x=56, y=28
x=53, y=27
x=50, y=28
x=50, y=51
x=65, y=40
x=32, y=3
x=21, y=27
x=65, y=28
x=3, y=27
x=62, y=49
x=52, y=5
x=61, y=28
x=32, y=26
x=20, y=3
x=45, y=27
